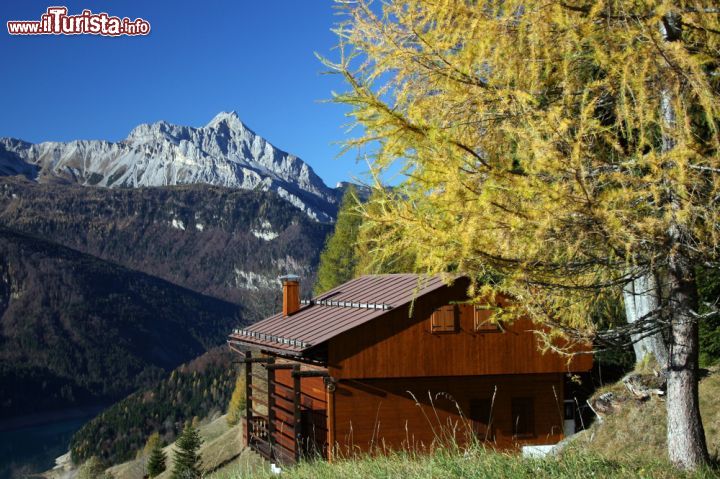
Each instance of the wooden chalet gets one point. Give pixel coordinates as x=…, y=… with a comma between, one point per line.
x=397, y=361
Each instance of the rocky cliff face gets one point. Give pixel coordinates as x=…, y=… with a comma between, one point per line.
x=224, y=152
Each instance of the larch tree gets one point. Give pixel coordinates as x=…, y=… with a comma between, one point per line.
x=238, y=400
x=152, y=441
x=553, y=151
x=373, y=258
x=93, y=468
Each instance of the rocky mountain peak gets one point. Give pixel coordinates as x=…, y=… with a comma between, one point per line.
x=226, y=118
x=223, y=153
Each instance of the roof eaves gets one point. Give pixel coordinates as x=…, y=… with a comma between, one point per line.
x=254, y=336
x=265, y=346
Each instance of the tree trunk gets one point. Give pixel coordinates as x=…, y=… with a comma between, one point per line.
x=685, y=434
x=642, y=296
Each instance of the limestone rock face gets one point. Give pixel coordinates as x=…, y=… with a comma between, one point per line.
x=225, y=152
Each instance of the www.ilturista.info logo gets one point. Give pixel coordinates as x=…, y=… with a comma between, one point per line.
x=56, y=21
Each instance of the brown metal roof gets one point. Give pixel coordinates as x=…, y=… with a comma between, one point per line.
x=340, y=309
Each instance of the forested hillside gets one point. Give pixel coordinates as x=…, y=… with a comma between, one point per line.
x=195, y=389
x=224, y=242
x=77, y=330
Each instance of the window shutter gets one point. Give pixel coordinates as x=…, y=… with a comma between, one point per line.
x=444, y=319
x=483, y=320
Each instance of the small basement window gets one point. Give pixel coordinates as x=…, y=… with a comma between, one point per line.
x=481, y=416
x=444, y=319
x=523, y=417
x=482, y=319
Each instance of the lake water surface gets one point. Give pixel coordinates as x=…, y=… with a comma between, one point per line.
x=26, y=451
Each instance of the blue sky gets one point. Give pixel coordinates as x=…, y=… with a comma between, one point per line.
x=254, y=57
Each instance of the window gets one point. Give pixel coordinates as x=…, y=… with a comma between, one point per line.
x=444, y=319
x=480, y=416
x=523, y=417
x=482, y=319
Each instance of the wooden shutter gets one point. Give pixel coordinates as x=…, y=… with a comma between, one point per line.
x=482, y=319
x=444, y=319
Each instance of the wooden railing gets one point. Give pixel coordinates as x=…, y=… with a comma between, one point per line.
x=275, y=432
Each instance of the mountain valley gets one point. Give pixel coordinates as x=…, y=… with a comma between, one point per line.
x=121, y=261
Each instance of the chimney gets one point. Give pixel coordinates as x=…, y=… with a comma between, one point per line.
x=291, y=294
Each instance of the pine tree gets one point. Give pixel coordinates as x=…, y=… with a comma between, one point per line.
x=338, y=259
x=237, y=401
x=156, y=461
x=554, y=152
x=187, y=458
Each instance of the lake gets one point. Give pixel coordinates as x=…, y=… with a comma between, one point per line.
x=28, y=450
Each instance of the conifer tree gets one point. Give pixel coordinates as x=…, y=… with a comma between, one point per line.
x=187, y=464
x=156, y=460
x=338, y=259
x=555, y=152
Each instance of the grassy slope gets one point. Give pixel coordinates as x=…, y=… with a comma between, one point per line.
x=221, y=444
x=476, y=463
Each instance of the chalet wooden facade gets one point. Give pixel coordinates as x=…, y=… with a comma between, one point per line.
x=396, y=361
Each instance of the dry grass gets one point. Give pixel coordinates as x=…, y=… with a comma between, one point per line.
x=710, y=410
x=635, y=432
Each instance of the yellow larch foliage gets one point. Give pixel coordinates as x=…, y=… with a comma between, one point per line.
x=533, y=140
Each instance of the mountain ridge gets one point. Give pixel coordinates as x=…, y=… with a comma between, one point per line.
x=224, y=152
